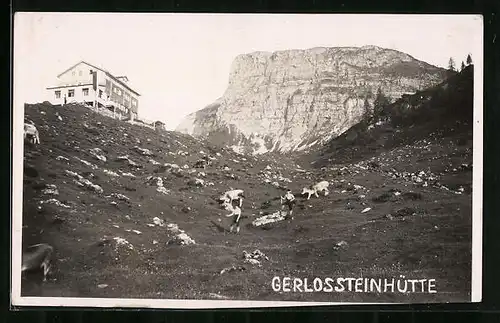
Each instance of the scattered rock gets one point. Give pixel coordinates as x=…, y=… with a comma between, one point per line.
x=110, y=173
x=50, y=189
x=196, y=182
x=340, y=245
x=255, y=257
x=217, y=296
x=123, y=242
x=159, y=222
x=86, y=163
x=181, y=239
x=276, y=184
x=158, y=181
x=406, y=211
x=62, y=158
x=83, y=182
x=270, y=218
x=174, y=228
x=202, y=163
x=130, y=162
x=120, y=197
x=162, y=190
x=232, y=268
x=98, y=154
x=143, y=151
x=55, y=202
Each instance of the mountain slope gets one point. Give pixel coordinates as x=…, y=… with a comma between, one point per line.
x=117, y=242
x=442, y=111
x=291, y=100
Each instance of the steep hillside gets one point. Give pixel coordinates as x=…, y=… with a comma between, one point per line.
x=116, y=230
x=439, y=112
x=290, y=100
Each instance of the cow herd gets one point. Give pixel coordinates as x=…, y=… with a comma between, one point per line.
x=228, y=199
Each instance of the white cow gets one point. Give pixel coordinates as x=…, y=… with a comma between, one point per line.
x=32, y=132
x=314, y=189
x=230, y=196
x=37, y=257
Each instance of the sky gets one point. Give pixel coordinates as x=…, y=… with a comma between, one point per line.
x=180, y=63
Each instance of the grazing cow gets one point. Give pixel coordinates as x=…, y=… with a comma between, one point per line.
x=230, y=196
x=314, y=189
x=37, y=257
x=236, y=214
x=289, y=200
x=31, y=132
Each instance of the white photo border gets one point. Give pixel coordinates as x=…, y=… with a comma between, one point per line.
x=17, y=204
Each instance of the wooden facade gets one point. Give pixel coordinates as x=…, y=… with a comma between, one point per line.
x=91, y=85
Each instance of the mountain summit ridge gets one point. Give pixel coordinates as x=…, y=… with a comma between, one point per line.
x=291, y=100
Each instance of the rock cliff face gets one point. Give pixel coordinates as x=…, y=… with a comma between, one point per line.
x=292, y=100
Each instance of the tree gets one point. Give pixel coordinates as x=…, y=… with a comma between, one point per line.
x=368, y=92
x=463, y=66
x=381, y=101
x=451, y=64
x=469, y=60
x=366, y=110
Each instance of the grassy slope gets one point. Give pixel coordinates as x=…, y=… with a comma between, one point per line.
x=434, y=243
